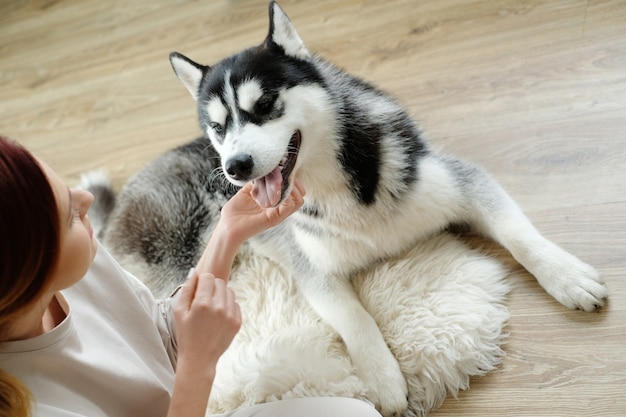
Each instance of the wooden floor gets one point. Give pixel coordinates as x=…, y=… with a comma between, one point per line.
x=535, y=91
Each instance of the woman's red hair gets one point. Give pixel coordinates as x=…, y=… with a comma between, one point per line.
x=29, y=241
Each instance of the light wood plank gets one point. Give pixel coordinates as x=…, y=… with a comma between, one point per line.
x=535, y=91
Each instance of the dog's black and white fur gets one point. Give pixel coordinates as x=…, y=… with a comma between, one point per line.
x=374, y=187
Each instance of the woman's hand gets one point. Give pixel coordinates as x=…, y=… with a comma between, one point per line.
x=207, y=319
x=244, y=218
x=240, y=219
x=207, y=315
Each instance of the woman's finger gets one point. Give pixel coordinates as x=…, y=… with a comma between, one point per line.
x=299, y=187
x=247, y=187
x=219, y=293
x=188, y=290
x=293, y=203
x=231, y=302
x=205, y=288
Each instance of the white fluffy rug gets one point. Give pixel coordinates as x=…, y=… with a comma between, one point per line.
x=440, y=308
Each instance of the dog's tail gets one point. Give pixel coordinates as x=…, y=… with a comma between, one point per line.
x=99, y=184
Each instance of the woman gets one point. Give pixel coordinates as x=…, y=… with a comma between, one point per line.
x=80, y=336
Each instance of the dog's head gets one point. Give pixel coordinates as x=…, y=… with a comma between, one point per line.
x=257, y=107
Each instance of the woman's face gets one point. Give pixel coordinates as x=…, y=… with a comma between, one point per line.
x=78, y=245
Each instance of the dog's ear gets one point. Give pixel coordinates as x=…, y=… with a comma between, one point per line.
x=188, y=72
x=283, y=34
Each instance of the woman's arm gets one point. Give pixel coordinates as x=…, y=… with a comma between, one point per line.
x=207, y=315
x=207, y=320
x=240, y=219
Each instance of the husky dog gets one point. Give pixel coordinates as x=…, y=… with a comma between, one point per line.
x=374, y=187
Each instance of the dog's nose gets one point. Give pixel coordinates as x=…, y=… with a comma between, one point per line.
x=239, y=167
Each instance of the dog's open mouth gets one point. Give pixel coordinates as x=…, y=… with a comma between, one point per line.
x=271, y=189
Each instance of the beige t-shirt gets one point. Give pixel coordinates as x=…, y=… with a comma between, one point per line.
x=113, y=355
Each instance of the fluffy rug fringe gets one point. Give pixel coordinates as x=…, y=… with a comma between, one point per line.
x=441, y=308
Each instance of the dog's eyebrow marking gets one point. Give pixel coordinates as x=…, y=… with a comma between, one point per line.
x=216, y=110
x=248, y=93
x=229, y=94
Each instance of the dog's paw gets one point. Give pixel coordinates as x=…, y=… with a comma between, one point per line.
x=584, y=290
x=387, y=388
x=572, y=282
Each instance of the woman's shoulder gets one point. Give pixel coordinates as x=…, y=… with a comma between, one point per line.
x=107, y=282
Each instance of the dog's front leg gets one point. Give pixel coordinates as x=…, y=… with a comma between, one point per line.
x=336, y=301
x=572, y=282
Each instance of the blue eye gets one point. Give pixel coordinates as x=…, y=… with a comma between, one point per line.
x=217, y=128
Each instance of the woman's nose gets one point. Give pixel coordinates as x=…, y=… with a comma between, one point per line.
x=83, y=198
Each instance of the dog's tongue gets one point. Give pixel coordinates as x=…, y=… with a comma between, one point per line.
x=266, y=191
